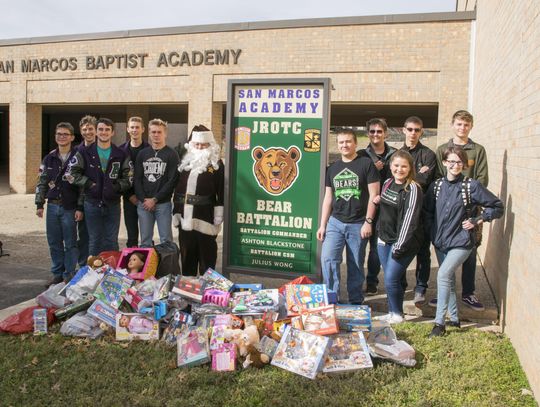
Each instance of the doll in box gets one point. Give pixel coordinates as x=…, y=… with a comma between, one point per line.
x=135, y=266
x=136, y=324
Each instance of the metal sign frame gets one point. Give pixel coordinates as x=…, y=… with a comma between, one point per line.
x=230, y=182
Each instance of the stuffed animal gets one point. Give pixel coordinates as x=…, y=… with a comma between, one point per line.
x=246, y=341
x=255, y=358
x=94, y=262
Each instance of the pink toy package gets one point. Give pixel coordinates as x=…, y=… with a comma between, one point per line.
x=224, y=358
x=140, y=262
x=217, y=297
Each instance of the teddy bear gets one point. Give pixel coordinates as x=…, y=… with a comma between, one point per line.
x=94, y=262
x=246, y=341
x=255, y=358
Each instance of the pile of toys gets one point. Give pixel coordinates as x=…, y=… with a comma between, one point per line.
x=298, y=327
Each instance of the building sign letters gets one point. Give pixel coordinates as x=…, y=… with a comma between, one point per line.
x=141, y=60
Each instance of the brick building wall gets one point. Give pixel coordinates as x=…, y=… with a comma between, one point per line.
x=506, y=107
x=419, y=60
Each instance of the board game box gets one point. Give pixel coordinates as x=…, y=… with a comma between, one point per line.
x=304, y=296
x=300, y=352
x=193, y=347
x=321, y=321
x=347, y=351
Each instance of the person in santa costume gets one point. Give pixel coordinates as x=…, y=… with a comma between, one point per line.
x=198, y=201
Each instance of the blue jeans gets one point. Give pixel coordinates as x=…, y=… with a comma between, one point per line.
x=82, y=242
x=62, y=240
x=468, y=274
x=394, y=270
x=162, y=215
x=373, y=261
x=446, y=282
x=339, y=235
x=103, y=224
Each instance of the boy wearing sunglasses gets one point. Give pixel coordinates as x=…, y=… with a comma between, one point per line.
x=379, y=152
x=425, y=162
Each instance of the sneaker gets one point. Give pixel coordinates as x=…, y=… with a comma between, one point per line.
x=392, y=318
x=371, y=289
x=438, y=330
x=433, y=303
x=54, y=280
x=454, y=324
x=472, y=302
x=419, y=299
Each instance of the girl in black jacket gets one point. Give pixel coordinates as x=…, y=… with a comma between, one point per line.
x=399, y=228
x=449, y=203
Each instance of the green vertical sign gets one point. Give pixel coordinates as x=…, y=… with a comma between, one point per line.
x=276, y=160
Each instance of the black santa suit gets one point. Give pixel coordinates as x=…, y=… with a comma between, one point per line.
x=198, y=198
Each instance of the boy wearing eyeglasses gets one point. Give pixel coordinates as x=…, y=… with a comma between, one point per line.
x=425, y=162
x=476, y=168
x=64, y=205
x=379, y=152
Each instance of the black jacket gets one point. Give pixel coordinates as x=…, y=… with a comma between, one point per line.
x=52, y=183
x=423, y=156
x=445, y=213
x=409, y=226
x=102, y=186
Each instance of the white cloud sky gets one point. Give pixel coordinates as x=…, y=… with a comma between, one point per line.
x=38, y=18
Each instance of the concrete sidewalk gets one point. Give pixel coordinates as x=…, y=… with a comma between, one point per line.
x=24, y=273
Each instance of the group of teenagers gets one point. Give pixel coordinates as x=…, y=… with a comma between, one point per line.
x=400, y=201
x=397, y=201
x=85, y=185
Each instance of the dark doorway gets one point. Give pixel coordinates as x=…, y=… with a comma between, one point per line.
x=175, y=115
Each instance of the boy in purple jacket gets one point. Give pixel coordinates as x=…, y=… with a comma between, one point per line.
x=105, y=172
x=64, y=205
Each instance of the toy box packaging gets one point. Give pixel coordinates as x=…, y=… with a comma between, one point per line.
x=189, y=287
x=224, y=358
x=268, y=319
x=267, y=346
x=300, y=352
x=40, y=321
x=178, y=322
x=150, y=263
x=296, y=322
x=304, y=296
x=193, y=347
x=347, y=351
x=353, y=317
x=258, y=302
x=321, y=321
x=217, y=297
x=135, y=300
x=215, y=280
x=113, y=288
x=104, y=312
x=130, y=326
x=247, y=287
x=221, y=322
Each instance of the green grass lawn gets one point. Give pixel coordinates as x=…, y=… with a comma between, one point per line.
x=466, y=367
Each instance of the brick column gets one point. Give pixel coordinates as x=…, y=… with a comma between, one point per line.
x=24, y=141
x=201, y=106
x=217, y=119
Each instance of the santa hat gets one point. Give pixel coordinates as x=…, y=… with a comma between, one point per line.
x=202, y=137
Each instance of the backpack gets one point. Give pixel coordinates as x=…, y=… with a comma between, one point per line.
x=169, y=256
x=470, y=211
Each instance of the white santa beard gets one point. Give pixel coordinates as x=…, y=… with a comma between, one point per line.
x=199, y=159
